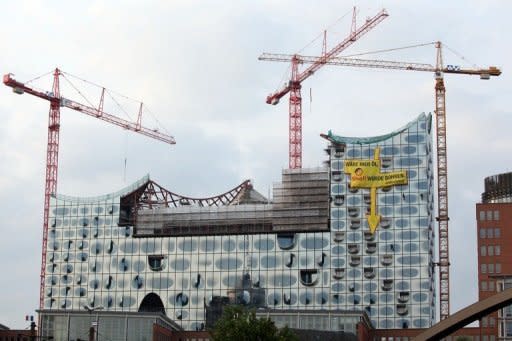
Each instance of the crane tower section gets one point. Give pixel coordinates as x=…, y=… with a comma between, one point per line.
x=52, y=151
x=294, y=85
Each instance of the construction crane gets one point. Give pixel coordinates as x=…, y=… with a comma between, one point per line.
x=442, y=160
x=52, y=153
x=294, y=85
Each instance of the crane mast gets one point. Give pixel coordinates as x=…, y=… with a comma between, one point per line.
x=52, y=151
x=442, y=157
x=442, y=189
x=294, y=85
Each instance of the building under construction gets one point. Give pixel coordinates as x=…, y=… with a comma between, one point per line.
x=353, y=235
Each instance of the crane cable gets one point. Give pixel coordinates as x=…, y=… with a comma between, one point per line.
x=387, y=50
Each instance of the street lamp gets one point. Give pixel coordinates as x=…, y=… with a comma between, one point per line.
x=91, y=329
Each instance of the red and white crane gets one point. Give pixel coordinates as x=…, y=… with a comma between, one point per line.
x=52, y=153
x=294, y=85
x=442, y=159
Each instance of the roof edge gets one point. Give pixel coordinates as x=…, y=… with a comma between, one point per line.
x=128, y=189
x=337, y=139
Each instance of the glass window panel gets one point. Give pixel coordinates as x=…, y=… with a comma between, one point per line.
x=482, y=232
x=492, y=286
x=490, y=268
x=483, y=268
x=490, y=233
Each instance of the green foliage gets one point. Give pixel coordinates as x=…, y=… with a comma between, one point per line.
x=240, y=324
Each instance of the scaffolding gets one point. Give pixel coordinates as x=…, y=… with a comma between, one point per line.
x=301, y=204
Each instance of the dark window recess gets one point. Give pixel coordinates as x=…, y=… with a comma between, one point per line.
x=138, y=282
x=198, y=281
x=156, y=262
x=110, y=246
x=339, y=200
x=387, y=284
x=181, y=299
x=401, y=309
x=109, y=282
x=286, y=241
x=289, y=263
x=287, y=299
x=152, y=303
x=308, y=277
x=321, y=261
x=123, y=265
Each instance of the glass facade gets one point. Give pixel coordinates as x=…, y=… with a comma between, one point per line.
x=91, y=260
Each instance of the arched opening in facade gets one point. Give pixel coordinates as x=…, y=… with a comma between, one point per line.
x=152, y=303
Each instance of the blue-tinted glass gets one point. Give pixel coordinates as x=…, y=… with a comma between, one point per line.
x=409, y=149
x=389, y=151
x=405, y=272
x=419, y=297
x=228, y=245
x=188, y=245
x=180, y=264
x=314, y=242
x=415, y=138
x=408, y=210
x=264, y=244
x=402, y=223
x=354, y=153
x=409, y=260
x=338, y=250
x=408, y=235
x=228, y=263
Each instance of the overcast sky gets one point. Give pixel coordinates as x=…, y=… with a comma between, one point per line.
x=194, y=63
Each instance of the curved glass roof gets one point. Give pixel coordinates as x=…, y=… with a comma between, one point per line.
x=373, y=139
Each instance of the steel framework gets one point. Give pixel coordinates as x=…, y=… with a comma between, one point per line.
x=294, y=85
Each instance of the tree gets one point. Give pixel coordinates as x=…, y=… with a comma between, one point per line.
x=239, y=324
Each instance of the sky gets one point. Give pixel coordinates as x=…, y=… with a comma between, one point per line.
x=195, y=66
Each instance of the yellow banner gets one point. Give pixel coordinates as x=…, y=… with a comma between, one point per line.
x=367, y=174
x=368, y=180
